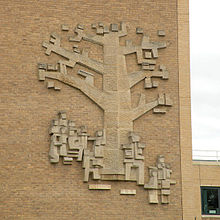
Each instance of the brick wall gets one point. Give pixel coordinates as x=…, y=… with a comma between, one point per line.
x=204, y=174
x=31, y=187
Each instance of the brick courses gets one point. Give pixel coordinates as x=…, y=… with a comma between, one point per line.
x=31, y=187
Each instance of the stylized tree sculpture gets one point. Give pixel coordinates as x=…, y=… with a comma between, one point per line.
x=114, y=155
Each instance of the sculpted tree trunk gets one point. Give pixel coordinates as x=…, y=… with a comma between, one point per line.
x=121, y=158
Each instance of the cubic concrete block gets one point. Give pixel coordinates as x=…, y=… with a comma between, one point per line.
x=42, y=66
x=93, y=26
x=50, y=84
x=80, y=26
x=139, y=30
x=114, y=27
x=101, y=24
x=155, y=84
x=161, y=33
x=100, y=31
x=148, y=55
x=64, y=27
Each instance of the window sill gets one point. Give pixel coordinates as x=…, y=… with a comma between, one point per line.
x=210, y=216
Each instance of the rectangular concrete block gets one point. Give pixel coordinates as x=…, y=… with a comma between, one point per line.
x=159, y=111
x=106, y=30
x=114, y=27
x=51, y=67
x=99, y=187
x=58, y=88
x=147, y=83
x=165, y=192
x=128, y=192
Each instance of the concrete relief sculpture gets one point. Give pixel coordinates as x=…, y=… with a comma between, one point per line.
x=134, y=159
x=121, y=157
x=159, y=182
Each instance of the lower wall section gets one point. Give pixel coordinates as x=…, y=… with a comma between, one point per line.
x=204, y=174
x=210, y=218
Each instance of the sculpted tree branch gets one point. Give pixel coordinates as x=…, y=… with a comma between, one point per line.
x=129, y=48
x=123, y=32
x=138, y=76
x=82, y=59
x=96, y=39
x=143, y=107
x=101, y=30
x=92, y=92
x=153, y=46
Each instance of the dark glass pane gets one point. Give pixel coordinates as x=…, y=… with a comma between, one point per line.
x=204, y=202
x=212, y=198
x=210, y=201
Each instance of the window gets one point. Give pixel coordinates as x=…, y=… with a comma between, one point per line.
x=210, y=200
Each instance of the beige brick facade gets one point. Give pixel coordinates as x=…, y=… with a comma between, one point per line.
x=204, y=174
x=31, y=187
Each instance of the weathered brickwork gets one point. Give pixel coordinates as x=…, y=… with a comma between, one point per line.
x=31, y=187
